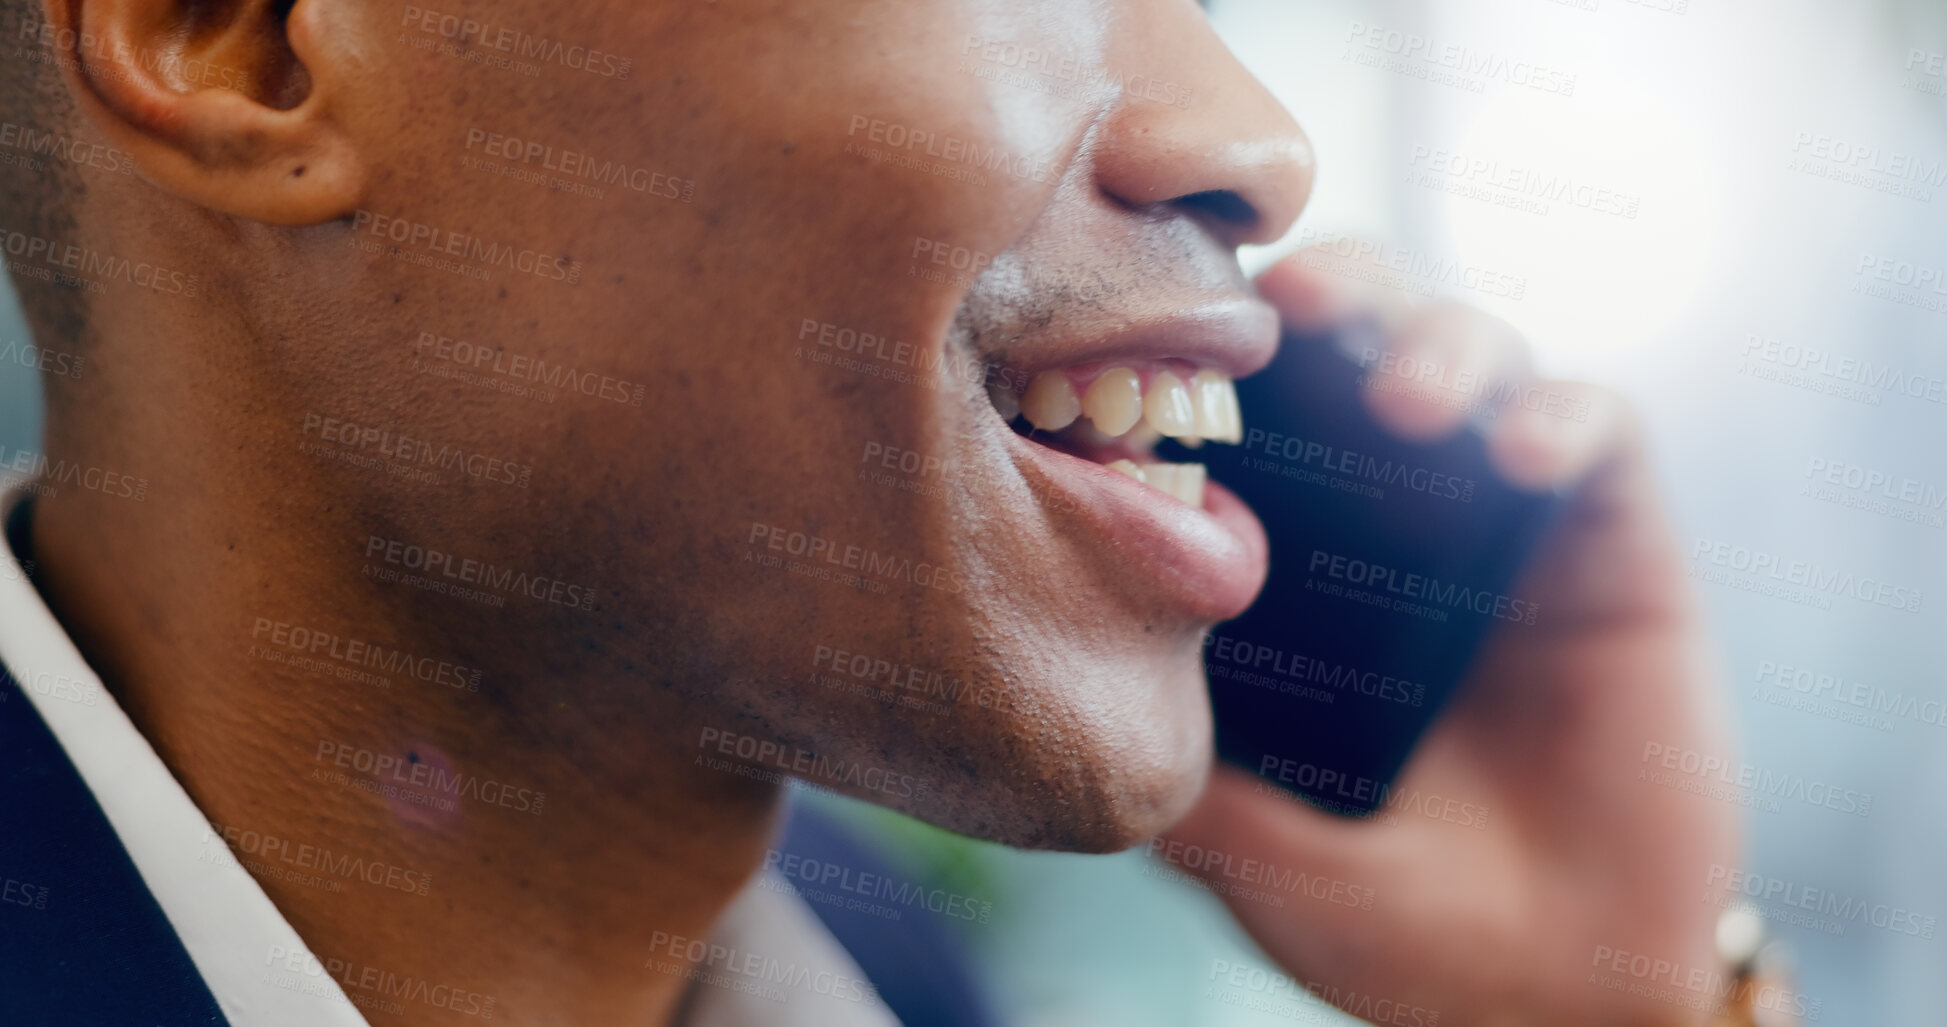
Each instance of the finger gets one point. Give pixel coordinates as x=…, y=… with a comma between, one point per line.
x=1239, y=838
x=1316, y=289
x=1552, y=433
x=1241, y=817
x=1446, y=364
x=1611, y=558
x=1438, y=364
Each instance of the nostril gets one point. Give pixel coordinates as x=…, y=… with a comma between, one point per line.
x=1229, y=209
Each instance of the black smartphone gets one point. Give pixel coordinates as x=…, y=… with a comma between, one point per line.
x=1391, y=562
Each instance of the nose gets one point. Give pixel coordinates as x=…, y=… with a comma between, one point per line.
x=1209, y=139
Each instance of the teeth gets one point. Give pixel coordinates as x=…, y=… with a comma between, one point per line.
x=1114, y=401
x=1167, y=407
x=1189, y=484
x=1202, y=409
x=1217, y=415
x=1184, y=481
x=1163, y=476
x=1050, y=402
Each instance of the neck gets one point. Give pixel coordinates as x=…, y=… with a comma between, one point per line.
x=538, y=810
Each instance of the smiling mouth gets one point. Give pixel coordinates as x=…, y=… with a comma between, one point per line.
x=1113, y=414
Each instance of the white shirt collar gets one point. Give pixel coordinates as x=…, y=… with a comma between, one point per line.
x=233, y=933
x=251, y=958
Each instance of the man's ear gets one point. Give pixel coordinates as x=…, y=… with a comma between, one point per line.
x=231, y=104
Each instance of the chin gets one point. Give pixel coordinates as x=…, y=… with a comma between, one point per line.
x=1141, y=802
x=1089, y=784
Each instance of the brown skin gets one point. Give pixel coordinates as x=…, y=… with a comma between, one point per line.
x=1101, y=737
x=1500, y=925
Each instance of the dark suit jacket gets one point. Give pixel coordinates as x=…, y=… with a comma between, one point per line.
x=84, y=944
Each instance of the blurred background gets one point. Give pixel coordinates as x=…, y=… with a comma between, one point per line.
x=1764, y=165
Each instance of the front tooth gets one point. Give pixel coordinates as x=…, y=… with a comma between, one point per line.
x=1129, y=468
x=1184, y=481
x=1207, y=393
x=1216, y=402
x=1189, y=484
x=1163, y=476
x=1050, y=402
x=1233, y=417
x=1114, y=401
x=1167, y=407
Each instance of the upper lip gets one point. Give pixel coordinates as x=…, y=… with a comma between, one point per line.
x=1235, y=335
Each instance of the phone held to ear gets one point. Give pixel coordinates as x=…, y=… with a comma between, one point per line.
x=1391, y=562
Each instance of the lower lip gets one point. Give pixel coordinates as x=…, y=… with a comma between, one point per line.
x=1208, y=562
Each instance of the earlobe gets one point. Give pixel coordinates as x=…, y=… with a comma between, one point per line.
x=228, y=105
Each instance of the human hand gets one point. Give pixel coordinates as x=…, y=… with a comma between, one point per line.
x=1505, y=925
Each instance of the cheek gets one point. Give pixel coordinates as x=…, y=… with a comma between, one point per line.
x=830, y=164
x=783, y=538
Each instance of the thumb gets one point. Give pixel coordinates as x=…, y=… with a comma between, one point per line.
x=1241, y=818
